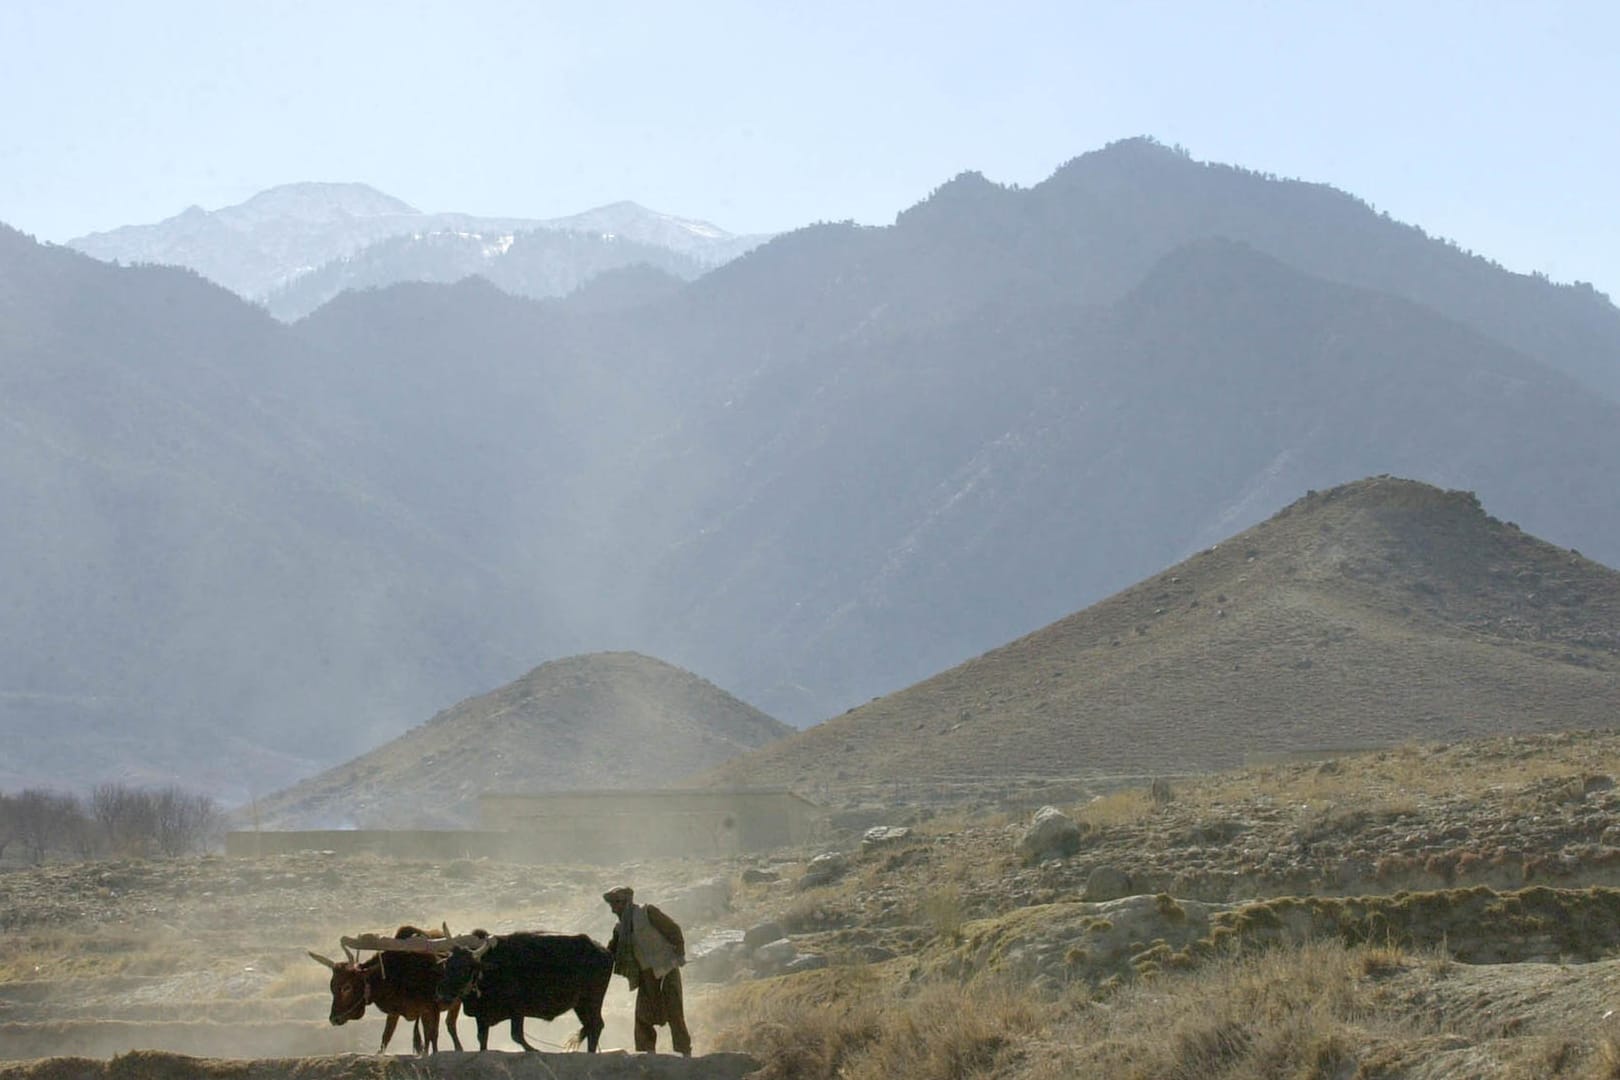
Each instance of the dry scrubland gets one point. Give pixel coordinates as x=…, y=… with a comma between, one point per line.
x=1426, y=911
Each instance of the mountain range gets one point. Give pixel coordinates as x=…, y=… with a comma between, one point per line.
x=294, y=247
x=837, y=465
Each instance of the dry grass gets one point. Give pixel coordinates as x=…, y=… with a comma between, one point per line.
x=1126, y=807
x=863, y=1030
x=820, y=910
x=1530, y=773
x=942, y=910
x=1316, y=1011
x=99, y=952
x=1604, y=1063
x=946, y=822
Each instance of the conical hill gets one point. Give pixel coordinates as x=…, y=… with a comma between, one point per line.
x=1376, y=612
x=591, y=722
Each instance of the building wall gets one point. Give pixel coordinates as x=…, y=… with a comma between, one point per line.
x=394, y=843
x=575, y=827
x=611, y=826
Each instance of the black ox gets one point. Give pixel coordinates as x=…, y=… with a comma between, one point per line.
x=397, y=983
x=529, y=974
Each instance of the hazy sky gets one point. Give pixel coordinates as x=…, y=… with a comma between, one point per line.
x=1495, y=124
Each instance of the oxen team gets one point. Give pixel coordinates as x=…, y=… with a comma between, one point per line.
x=510, y=977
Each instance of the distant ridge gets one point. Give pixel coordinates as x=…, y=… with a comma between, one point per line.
x=350, y=235
x=597, y=721
x=1138, y=199
x=1365, y=615
x=312, y=201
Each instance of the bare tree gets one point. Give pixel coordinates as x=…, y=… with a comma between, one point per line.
x=126, y=818
x=118, y=820
x=8, y=822
x=75, y=830
x=186, y=822
x=45, y=819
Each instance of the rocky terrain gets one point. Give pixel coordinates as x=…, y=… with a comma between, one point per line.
x=1481, y=875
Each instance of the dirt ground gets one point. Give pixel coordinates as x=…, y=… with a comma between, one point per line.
x=115, y=968
x=208, y=957
x=612, y=1065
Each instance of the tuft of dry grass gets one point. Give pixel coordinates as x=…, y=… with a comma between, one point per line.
x=1604, y=1062
x=863, y=1031
x=942, y=909
x=810, y=914
x=1127, y=807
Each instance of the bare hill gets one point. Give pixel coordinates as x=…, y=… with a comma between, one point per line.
x=1369, y=614
x=603, y=720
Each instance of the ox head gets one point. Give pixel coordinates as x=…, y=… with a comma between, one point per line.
x=350, y=986
x=462, y=967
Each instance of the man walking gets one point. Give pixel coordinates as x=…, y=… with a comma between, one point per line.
x=648, y=950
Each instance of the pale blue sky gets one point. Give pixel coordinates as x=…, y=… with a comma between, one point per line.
x=1494, y=124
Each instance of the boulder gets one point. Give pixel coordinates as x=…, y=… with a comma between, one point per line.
x=755, y=936
x=716, y=956
x=701, y=902
x=773, y=957
x=823, y=869
x=880, y=836
x=1052, y=834
x=1107, y=883
x=805, y=962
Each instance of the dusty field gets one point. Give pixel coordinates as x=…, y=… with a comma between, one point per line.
x=208, y=956
x=1424, y=912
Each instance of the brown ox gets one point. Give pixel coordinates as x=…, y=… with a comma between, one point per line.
x=397, y=983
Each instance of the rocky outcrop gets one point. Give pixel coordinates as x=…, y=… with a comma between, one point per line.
x=1055, y=945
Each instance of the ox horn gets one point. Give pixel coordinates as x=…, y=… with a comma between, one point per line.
x=485, y=947
x=445, y=927
x=351, y=954
x=329, y=963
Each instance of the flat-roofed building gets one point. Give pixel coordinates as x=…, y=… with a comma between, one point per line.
x=615, y=825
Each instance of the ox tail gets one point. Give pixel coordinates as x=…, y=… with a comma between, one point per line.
x=574, y=1041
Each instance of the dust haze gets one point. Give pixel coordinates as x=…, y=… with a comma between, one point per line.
x=207, y=956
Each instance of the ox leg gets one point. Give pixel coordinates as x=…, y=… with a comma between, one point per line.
x=517, y=1033
x=591, y=1025
x=389, y=1024
x=450, y=1022
x=430, y=1032
x=483, y=1034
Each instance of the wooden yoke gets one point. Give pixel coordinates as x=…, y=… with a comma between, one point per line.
x=439, y=946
